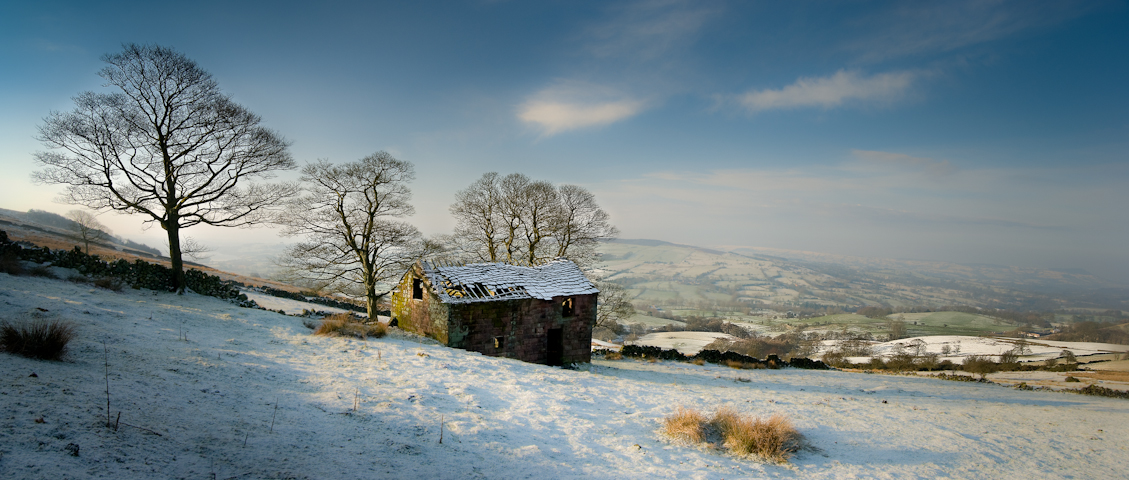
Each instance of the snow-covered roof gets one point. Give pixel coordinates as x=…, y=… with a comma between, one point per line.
x=487, y=282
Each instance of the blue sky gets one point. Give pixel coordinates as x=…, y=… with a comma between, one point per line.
x=971, y=132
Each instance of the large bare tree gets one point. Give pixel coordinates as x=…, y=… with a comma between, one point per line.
x=348, y=218
x=516, y=219
x=167, y=144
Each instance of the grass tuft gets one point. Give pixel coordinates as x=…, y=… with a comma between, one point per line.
x=773, y=439
x=686, y=424
x=40, y=339
x=109, y=283
x=41, y=271
x=347, y=325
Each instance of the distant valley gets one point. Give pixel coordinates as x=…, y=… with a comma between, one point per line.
x=665, y=274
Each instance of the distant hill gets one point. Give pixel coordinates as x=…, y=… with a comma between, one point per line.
x=664, y=273
x=60, y=226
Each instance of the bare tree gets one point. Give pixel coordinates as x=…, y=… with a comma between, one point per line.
x=87, y=227
x=897, y=328
x=189, y=246
x=614, y=306
x=514, y=218
x=581, y=224
x=348, y=217
x=478, y=211
x=168, y=144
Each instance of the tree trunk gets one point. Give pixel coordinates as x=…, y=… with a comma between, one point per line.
x=370, y=300
x=172, y=226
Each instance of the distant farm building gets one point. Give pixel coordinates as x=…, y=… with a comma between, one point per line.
x=540, y=314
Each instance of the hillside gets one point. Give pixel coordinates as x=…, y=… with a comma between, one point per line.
x=32, y=233
x=251, y=394
x=666, y=274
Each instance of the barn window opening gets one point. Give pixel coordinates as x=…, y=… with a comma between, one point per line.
x=567, y=309
x=417, y=289
x=499, y=343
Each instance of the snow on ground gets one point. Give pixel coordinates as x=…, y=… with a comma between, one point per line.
x=602, y=345
x=688, y=343
x=961, y=346
x=291, y=307
x=213, y=401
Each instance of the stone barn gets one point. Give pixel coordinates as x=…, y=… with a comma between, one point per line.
x=540, y=314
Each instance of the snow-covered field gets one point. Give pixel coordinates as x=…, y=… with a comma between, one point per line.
x=687, y=343
x=291, y=307
x=957, y=347
x=213, y=400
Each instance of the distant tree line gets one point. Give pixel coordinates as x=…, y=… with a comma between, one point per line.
x=1093, y=332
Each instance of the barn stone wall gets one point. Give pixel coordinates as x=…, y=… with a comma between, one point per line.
x=427, y=317
x=523, y=326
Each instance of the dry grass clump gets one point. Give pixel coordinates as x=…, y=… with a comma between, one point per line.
x=686, y=424
x=109, y=283
x=347, y=325
x=41, y=271
x=743, y=365
x=39, y=338
x=774, y=439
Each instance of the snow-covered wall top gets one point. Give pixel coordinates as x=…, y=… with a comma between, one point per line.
x=486, y=282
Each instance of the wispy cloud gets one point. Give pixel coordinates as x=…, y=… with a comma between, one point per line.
x=649, y=29
x=937, y=27
x=576, y=105
x=638, y=47
x=893, y=160
x=829, y=92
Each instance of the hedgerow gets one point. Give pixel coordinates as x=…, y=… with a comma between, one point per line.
x=714, y=356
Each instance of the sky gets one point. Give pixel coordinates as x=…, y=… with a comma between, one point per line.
x=969, y=132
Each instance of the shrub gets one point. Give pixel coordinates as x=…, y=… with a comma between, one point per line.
x=876, y=363
x=901, y=362
x=41, y=339
x=109, y=283
x=1072, y=379
x=347, y=325
x=980, y=365
x=773, y=439
x=686, y=424
x=10, y=264
x=41, y=271
x=613, y=355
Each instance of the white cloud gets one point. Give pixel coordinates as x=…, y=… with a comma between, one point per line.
x=828, y=92
x=574, y=105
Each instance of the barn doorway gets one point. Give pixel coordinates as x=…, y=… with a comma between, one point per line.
x=555, y=350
